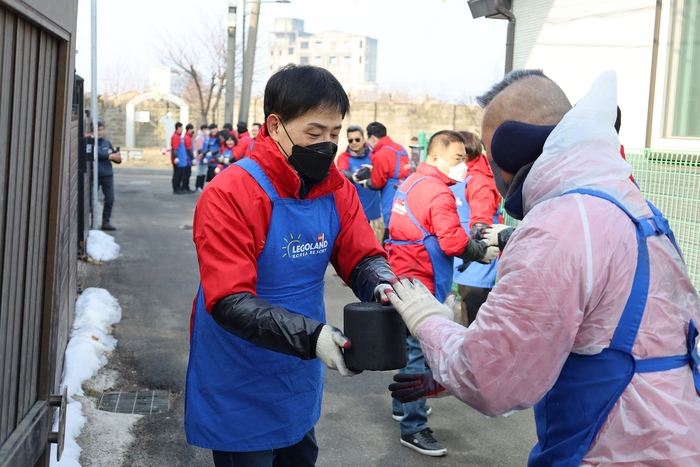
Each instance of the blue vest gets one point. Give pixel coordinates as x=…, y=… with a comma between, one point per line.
x=476, y=274
x=392, y=184
x=571, y=414
x=441, y=262
x=212, y=144
x=183, y=157
x=368, y=198
x=241, y=397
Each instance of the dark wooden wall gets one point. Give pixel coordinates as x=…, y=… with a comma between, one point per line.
x=38, y=225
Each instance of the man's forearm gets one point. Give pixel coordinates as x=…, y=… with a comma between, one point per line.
x=368, y=274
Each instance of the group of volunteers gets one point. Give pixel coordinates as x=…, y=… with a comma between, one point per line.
x=211, y=151
x=588, y=316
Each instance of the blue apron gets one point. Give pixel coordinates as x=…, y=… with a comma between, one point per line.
x=391, y=186
x=183, y=157
x=476, y=274
x=368, y=198
x=441, y=262
x=241, y=397
x=571, y=414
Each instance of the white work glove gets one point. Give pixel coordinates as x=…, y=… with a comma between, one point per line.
x=491, y=234
x=227, y=160
x=209, y=154
x=492, y=253
x=330, y=341
x=176, y=160
x=220, y=159
x=415, y=303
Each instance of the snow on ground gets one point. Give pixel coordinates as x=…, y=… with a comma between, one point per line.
x=101, y=247
x=96, y=310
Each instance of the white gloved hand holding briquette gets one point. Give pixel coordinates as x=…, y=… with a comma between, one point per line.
x=328, y=349
x=415, y=303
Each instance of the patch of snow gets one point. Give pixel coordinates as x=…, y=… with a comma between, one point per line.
x=96, y=310
x=101, y=247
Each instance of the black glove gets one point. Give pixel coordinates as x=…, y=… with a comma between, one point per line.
x=477, y=232
x=363, y=173
x=410, y=388
x=480, y=252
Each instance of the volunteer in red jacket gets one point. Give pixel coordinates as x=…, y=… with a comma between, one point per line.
x=258, y=339
x=424, y=236
x=179, y=158
x=390, y=167
x=478, y=205
x=357, y=158
x=244, y=141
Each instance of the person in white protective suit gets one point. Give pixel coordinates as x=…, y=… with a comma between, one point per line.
x=592, y=320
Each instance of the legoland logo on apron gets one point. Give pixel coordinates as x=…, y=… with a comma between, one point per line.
x=399, y=207
x=294, y=247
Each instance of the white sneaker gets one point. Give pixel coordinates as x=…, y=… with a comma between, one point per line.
x=199, y=190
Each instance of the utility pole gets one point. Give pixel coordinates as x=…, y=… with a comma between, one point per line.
x=93, y=112
x=249, y=62
x=231, y=62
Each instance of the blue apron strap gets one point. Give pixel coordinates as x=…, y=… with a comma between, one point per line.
x=403, y=195
x=628, y=326
x=663, y=226
x=260, y=176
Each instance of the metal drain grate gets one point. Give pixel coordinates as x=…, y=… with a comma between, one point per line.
x=135, y=402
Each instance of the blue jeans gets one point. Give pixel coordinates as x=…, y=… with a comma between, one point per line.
x=415, y=417
x=302, y=454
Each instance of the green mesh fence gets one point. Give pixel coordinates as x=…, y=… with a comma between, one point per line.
x=671, y=181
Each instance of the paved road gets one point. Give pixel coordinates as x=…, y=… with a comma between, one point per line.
x=155, y=281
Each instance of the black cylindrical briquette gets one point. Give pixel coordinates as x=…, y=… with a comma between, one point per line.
x=378, y=337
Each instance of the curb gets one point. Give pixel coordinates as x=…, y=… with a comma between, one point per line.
x=141, y=171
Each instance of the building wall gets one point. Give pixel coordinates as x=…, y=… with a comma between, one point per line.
x=574, y=41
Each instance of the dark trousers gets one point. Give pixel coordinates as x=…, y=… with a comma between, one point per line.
x=472, y=298
x=211, y=172
x=185, y=178
x=199, y=183
x=302, y=454
x=106, y=182
x=177, y=174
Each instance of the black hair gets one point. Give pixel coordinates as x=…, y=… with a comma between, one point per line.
x=189, y=127
x=242, y=127
x=472, y=145
x=228, y=126
x=213, y=126
x=353, y=128
x=178, y=125
x=204, y=127
x=229, y=136
x=486, y=98
x=618, y=121
x=444, y=138
x=257, y=124
x=296, y=89
x=376, y=129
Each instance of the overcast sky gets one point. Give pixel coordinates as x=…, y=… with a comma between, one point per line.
x=431, y=47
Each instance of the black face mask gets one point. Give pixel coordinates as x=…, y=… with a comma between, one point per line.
x=312, y=161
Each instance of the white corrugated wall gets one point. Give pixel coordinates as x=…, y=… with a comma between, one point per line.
x=573, y=41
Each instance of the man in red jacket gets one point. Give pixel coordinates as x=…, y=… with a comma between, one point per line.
x=265, y=230
x=425, y=235
x=482, y=201
x=390, y=167
x=244, y=141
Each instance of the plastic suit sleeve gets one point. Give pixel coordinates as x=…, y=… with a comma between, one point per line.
x=271, y=327
x=368, y=274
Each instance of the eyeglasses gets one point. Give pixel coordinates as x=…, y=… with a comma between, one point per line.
x=354, y=140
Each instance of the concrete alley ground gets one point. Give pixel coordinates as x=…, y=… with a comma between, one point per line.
x=155, y=281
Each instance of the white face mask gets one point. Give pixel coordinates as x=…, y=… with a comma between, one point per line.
x=206, y=132
x=458, y=173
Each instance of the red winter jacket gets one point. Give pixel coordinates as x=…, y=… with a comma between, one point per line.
x=232, y=217
x=174, y=145
x=188, y=141
x=481, y=194
x=244, y=140
x=433, y=205
x=384, y=162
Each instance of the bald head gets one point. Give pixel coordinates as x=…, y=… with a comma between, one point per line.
x=528, y=96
